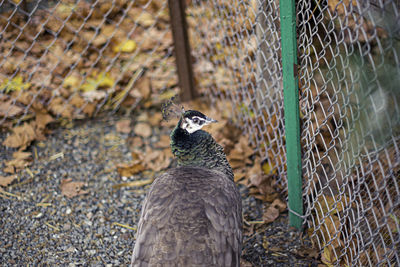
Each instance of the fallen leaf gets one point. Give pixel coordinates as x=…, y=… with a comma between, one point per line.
x=279, y=204
x=129, y=169
x=268, y=168
x=60, y=106
x=42, y=119
x=145, y=19
x=327, y=257
x=71, y=188
x=135, y=142
x=15, y=84
x=271, y=214
x=133, y=183
x=77, y=101
x=6, y=180
x=101, y=80
x=71, y=81
x=123, y=126
x=21, y=137
x=126, y=46
x=155, y=119
x=239, y=176
x=94, y=95
x=144, y=86
x=143, y=129
x=164, y=142
x=157, y=160
x=9, y=109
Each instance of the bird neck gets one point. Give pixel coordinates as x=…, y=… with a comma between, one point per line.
x=199, y=149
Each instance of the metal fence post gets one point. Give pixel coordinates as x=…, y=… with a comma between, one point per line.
x=291, y=105
x=182, y=48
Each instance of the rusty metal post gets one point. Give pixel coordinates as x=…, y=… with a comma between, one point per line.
x=182, y=49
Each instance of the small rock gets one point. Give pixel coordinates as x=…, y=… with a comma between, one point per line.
x=39, y=215
x=70, y=249
x=67, y=227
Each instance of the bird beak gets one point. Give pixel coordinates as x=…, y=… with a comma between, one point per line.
x=209, y=120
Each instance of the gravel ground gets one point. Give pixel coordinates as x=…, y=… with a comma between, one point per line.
x=40, y=226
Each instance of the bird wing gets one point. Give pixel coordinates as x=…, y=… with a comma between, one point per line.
x=191, y=216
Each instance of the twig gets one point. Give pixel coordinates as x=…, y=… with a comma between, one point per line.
x=52, y=226
x=125, y=226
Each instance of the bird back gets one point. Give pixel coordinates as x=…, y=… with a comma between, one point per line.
x=191, y=217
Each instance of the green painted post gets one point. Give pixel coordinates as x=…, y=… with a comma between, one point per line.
x=292, y=116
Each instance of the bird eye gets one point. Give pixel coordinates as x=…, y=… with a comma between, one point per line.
x=196, y=120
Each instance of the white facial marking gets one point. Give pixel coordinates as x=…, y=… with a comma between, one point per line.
x=194, y=124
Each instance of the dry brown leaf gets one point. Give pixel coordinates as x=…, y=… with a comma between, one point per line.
x=239, y=155
x=71, y=188
x=143, y=129
x=9, y=109
x=60, y=106
x=21, y=137
x=123, y=126
x=42, y=119
x=239, y=176
x=135, y=142
x=157, y=160
x=6, y=180
x=89, y=108
x=164, y=142
x=236, y=154
x=77, y=101
x=9, y=169
x=155, y=119
x=279, y=204
x=136, y=155
x=236, y=164
x=271, y=214
x=129, y=169
x=143, y=85
x=133, y=183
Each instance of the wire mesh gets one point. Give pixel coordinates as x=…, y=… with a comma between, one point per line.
x=350, y=114
x=349, y=75
x=236, y=46
x=73, y=59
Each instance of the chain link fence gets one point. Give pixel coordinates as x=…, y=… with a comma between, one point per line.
x=237, y=52
x=349, y=76
x=72, y=59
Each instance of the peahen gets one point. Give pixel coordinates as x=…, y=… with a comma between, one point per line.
x=192, y=215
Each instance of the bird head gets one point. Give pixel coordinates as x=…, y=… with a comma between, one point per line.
x=193, y=120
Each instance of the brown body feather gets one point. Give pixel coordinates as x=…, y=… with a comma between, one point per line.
x=192, y=216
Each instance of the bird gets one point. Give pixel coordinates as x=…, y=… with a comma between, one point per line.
x=192, y=214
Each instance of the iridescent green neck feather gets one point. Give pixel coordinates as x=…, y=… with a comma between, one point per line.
x=199, y=149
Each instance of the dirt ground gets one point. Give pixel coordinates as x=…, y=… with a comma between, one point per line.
x=42, y=224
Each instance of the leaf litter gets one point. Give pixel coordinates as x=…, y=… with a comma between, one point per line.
x=79, y=93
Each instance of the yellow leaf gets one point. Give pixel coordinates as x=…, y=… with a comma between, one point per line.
x=71, y=82
x=268, y=168
x=126, y=46
x=64, y=10
x=326, y=257
x=103, y=80
x=15, y=84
